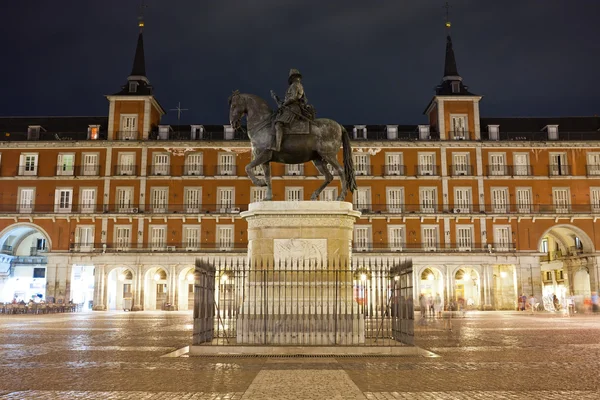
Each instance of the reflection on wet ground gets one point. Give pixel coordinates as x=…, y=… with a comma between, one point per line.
x=119, y=355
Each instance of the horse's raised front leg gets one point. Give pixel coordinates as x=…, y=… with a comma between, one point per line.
x=322, y=168
x=261, y=158
x=332, y=159
x=267, y=168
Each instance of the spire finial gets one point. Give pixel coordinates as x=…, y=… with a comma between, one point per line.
x=143, y=6
x=448, y=23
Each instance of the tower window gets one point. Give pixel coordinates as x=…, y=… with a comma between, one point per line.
x=133, y=86
x=455, y=87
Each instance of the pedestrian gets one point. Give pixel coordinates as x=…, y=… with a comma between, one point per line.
x=532, y=303
x=430, y=306
x=424, y=307
x=461, y=306
x=448, y=317
x=595, y=302
x=522, y=302
x=438, y=305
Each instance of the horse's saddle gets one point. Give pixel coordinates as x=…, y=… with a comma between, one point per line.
x=298, y=127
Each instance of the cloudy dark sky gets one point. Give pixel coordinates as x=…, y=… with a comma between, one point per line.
x=363, y=61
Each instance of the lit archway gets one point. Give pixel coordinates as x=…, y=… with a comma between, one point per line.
x=155, y=289
x=467, y=287
x=186, y=289
x=119, y=289
x=23, y=261
x=431, y=282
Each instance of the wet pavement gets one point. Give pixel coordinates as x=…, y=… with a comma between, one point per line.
x=117, y=355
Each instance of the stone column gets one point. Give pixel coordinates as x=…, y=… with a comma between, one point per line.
x=138, y=290
x=172, y=287
x=99, y=288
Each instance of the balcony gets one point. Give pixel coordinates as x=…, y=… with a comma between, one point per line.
x=193, y=170
x=44, y=136
x=542, y=136
x=362, y=170
x=205, y=135
x=225, y=170
x=367, y=208
x=426, y=170
x=159, y=170
x=459, y=135
x=30, y=170
x=418, y=247
x=593, y=170
x=88, y=170
x=394, y=170
x=152, y=247
x=127, y=135
x=293, y=171
x=225, y=208
x=559, y=170
x=461, y=170
x=125, y=170
x=509, y=170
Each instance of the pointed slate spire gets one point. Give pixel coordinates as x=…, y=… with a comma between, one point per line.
x=450, y=68
x=139, y=61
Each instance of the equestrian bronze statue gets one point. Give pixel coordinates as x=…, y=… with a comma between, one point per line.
x=305, y=139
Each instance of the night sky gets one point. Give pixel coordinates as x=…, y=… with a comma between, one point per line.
x=364, y=62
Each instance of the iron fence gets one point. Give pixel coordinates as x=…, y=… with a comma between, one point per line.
x=303, y=304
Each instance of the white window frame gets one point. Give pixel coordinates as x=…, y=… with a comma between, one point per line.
x=362, y=164
x=520, y=170
x=93, y=132
x=363, y=241
x=192, y=199
x=424, y=167
x=26, y=208
x=225, y=241
x=192, y=243
x=126, y=169
x=593, y=163
x=26, y=168
x=158, y=237
x=84, y=206
x=87, y=168
x=501, y=207
x=561, y=168
x=460, y=131
x=63, y=203
x=196, y=132
x=362, y=198
x=87, y=232
x=524, y=207
x=292, y=169
x=396, y=243
x=163, y=132
x=122, y=242
x=125, y=207
x=595, y=199
x=159, y=199
x=430, y=242
x=33, y=132
x=498, y=245
x=63, y=169
x=224, y=167
x=427, y=205
x=294, y=193
x=394, y=164
x=464, y=205
x=464, y=243
x=459, y=168
x=129, y=132
x=197, y=168
x=562, y=203
x=257, y=194
x=329, y=194
x=394, y=199
x=161, y=163
x=497, y=164
x=224, y=203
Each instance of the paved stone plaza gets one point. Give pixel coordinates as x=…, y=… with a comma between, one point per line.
x=499, y=355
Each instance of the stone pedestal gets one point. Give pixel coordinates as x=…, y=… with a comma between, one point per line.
x=299, y=289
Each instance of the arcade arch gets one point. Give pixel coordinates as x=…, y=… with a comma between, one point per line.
x=565, y=269
x=119, y=288
x=467, y=286
x=431, y=282
x=23, y=260
x=186, y=289
x=155, y=289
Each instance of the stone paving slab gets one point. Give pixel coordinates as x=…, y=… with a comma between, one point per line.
x=117, y=395
x=499, y=395
x=302, y=384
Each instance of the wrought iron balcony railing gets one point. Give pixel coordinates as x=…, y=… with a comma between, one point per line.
x=426, y=170
x=461, y=170
x=125, y=170
x=159, y=170
x=158, y=246
x=593, y=170
x=394, y=170
x=559, y=170
x=509, y=170
x=127, y=135
x=425, y=247
x=460, y=135
x=88, y=170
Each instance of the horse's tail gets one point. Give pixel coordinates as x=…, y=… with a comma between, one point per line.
x=348, y=161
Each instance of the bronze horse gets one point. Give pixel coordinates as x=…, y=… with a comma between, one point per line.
x=320, y=146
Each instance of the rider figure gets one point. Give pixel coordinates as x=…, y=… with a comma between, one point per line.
x=291, y=108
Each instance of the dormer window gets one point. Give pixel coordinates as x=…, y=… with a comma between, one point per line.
x=360, y=132
x=392, y=132
x=229, y=132
x=197, y=132
x=455, y=87
x=163, y=132
x=93, y=132
x=552, y=132
x=33, y=132
x=494, y=132
x=133, y=87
